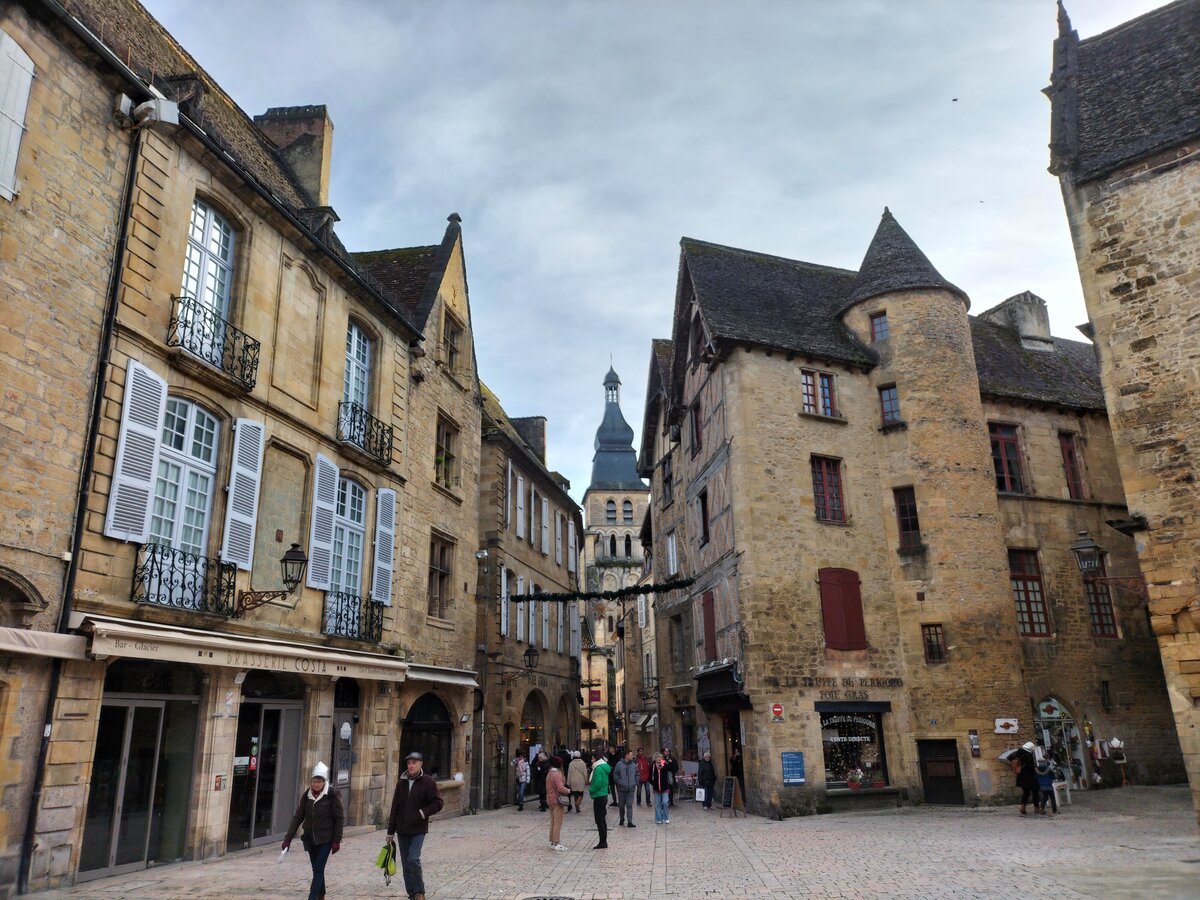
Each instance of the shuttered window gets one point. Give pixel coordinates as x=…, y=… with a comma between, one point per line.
x=710, y=626
x=545, y=523
x=505, y=576
x=558, y=537
x=572, y=553
x=324, y=506
x=841, y=609
x=187, y=471
x=385, y=546
x=520, y=506
x=16, y=78
x=135, y=468
x=520, y=611
x=245, y=478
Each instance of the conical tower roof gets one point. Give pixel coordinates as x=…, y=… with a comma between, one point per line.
x=895, y=263
x=614, y=467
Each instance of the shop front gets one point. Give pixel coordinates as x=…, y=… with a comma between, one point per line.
x=853, y=747
x=1061, y=741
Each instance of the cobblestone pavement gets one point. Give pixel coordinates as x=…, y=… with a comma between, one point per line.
x=1137, y=842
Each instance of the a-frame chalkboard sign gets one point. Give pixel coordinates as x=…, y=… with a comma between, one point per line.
x=731, y=797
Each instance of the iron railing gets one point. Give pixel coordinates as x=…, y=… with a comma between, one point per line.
x=358, y=427
x=203, y=333
x=164, y=576
x=352, y=616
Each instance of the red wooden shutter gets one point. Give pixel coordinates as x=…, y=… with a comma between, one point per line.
x=841, y=609
x=710, y=627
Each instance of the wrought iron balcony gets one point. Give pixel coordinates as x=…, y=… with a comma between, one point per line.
x=202, y=333
x=352, y=616
x=164, y=576
x=358, y=427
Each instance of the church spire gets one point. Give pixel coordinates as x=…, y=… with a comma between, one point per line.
x=614, y=467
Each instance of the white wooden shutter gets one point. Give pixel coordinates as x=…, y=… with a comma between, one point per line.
x=504, y=602
x=245, y=479
x=558, y=522
x=571, y=553
x=136, y=465
x=532, y=514
x=641, y=610
x=533, y=610
x=16, y=77
x=561, y=622
x=320, y=540
x=574, y=630
x=545, y=527
x=520, y=506
x=508, y=494
x=520, y=609
x=545, y=624
x=385, y=546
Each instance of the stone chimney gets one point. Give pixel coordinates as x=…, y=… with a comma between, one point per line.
x=532, y=430
x=304, y=135
x=1026, y=315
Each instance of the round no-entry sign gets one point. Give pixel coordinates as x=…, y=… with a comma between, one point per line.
x=777, y=710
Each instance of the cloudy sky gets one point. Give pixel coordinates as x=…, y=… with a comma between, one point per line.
x=580, y=140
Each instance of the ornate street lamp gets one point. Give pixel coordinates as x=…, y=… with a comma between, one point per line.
x=1089, y=556
x=291, y=566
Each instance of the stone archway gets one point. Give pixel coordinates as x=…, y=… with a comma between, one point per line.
x=563, y=733
x=533, y=721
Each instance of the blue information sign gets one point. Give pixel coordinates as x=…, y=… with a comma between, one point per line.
x=793, y=767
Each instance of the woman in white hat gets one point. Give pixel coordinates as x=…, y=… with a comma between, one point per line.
x=320, y=811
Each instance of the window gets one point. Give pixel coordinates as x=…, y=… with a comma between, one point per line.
x=672, y=555
x=612, y=546
x=1069, y=444
x=702, y=508
x=1100, y=606
x=349, y=536
x=1026, y=579
x=879, y=327
x=668, y=483
x=208, y=261
x=933, y=639
x=187, y=470
x=533, y=614
x=452, y=337
x=1006, y=457
x=507, y=578
x=571, y=552
x=827, y=489
x=852, y=744
x=520, y=506
x=358, y=366
x=16, y=76
x=627, y=512
x=610, y=512
x=558, y=537
x=445, y=461
x=709, y=617
x=520, y=612
x=678, y=644
x=697, y=430
x=889, y=404
x=906, y=517
x=641, y=610
x=427, y=729
x=441, y=573
x=698, y=342
x=628, y=546
x=841, y=609
x=819, y=396
x=545, y=523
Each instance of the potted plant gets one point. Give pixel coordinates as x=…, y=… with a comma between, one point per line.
x=877, y=780
x=855, y=778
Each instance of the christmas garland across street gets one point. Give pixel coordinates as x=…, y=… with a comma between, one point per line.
x=619, y=594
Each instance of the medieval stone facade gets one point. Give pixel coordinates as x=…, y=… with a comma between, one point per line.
x=878, y=494
x=1125, y=145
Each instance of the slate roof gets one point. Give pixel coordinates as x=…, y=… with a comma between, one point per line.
x=748, y=297
x=894, y=262
x=1127, y=93
x=656, y=386
x=614, y=465
x=1068, y=376
x=411, y=276
x=495, y=421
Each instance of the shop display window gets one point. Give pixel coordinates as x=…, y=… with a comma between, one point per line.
x=853, y=750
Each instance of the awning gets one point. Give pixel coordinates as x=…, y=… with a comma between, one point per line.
x=456, y=677
x=585, y=722
x=42, y=643
x=149, y=640
x=718, y=691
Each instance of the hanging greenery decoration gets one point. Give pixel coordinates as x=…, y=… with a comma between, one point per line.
x=619, y=594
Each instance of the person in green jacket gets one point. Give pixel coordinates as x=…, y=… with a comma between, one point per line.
x=598, y=791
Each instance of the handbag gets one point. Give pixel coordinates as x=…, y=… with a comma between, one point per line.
x=701, y=793
x=386, y=860
x=564, y=800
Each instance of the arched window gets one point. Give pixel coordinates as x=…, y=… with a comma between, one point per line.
x=628, y=547
x=427, y=730
x=611, y=626
x=612, y=545
x=208, y=262
x=187, y=471
x=627, y=513
x=610, y=512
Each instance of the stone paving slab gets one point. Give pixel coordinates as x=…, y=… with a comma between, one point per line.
x=1136, y=842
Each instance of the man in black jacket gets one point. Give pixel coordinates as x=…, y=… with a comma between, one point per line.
x=673, y=769
x=415, y=800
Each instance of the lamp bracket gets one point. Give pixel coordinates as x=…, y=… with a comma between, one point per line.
x=248, y=600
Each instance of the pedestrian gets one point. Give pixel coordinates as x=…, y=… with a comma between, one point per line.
x=614, y=757
x=415, y=800
x=320, y=811
x=560, y=799
x=1025, y=765
x=598, y=791
x=672, y=765
x=577, y=778
x=541, y=766
x=706, y=777
x=643, y=767
x=625, y=776
x=660, y=783
x=522, y=767
x=1045, y=774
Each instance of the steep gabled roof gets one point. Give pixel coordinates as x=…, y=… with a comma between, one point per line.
x=754, y=298
x=1127, y=93
x=496, y=422
x=411, y=276
x=894, y=262
x=1069, y=376
x=656, y=395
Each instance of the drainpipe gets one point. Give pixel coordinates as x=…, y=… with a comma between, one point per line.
x=84, y=492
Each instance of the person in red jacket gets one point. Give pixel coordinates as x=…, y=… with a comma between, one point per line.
x=415, y=800
x=643, y=764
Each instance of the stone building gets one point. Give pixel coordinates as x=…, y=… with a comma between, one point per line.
x=257, y=387
x=884, y=593
x=614, y=504
x=1125, y=145
x=529, y=530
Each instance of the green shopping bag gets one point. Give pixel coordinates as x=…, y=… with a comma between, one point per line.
x=386, y=860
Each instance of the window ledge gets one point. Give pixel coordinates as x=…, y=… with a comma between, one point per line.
x=435, y=622
x=840, y=523
x=834, y=420
x=889, y=427
x=207, y=372
x=353, y=450
x=445, y=491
